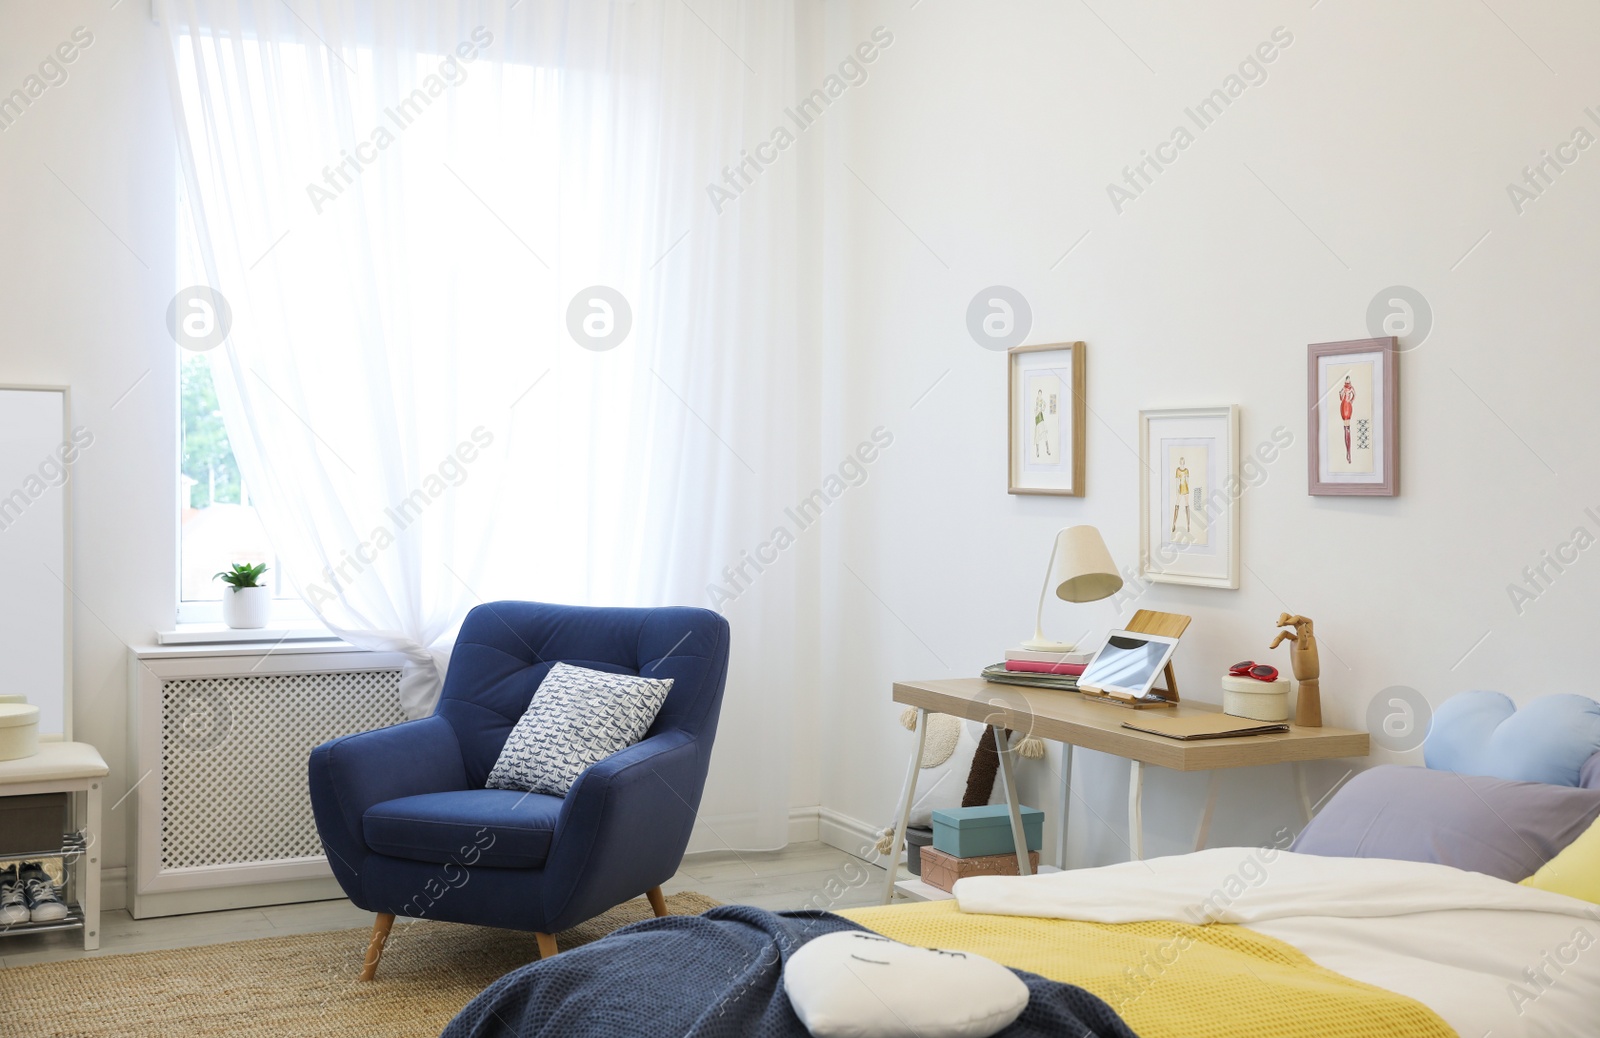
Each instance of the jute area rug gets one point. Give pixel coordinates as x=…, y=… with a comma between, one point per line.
x=301, y=986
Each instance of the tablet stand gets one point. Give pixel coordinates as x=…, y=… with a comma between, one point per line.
x=1166, y=625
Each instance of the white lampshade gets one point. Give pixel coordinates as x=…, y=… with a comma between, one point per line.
x=1083, y=570
x=1080, y=570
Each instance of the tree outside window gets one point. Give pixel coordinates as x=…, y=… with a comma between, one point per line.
x=220, y=525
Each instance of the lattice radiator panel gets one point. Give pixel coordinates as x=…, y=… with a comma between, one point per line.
x=233, y=759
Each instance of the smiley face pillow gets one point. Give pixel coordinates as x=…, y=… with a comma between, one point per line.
x=857, y=984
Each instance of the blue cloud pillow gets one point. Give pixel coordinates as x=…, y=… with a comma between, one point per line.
x=1549, y=740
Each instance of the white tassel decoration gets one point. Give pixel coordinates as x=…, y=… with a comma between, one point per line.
x=1031, y=747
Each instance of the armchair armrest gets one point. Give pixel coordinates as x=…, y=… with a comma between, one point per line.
x=352, y=773
x=623, y=828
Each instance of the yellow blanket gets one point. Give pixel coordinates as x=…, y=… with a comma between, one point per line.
x=1171, y=980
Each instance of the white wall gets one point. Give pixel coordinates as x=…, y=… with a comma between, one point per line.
x=86, y=217
x=987, y=135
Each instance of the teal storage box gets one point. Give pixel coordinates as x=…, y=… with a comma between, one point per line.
x=969, y=832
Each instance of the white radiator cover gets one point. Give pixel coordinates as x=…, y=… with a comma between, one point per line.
x=219, y=743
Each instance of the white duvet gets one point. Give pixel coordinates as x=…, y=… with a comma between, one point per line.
x=1491, y=958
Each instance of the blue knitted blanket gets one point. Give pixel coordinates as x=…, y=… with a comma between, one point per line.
x=717, y=975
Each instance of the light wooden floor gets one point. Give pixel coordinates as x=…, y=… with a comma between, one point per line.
x=804, y=875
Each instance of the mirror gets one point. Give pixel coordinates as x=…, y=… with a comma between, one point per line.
x=37, y=448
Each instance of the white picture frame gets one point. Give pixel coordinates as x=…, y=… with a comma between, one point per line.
x=1189, y=491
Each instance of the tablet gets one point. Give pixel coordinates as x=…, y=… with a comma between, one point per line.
x=1127, y=664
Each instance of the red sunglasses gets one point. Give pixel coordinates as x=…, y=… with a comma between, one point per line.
x=1252, y=669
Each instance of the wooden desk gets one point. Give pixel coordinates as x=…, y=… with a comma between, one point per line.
x=1073, y=720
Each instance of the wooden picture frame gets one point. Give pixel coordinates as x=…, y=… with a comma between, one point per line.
x=1045, y=436
x=1189, y=482
x=1353, y=418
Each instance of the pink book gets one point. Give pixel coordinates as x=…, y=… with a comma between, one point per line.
x=1047, y=668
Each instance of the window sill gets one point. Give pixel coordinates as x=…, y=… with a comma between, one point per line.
x=220, y=634
x=284, y=652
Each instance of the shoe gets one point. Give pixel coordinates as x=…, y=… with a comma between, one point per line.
x=13, y=904
x=44, y=904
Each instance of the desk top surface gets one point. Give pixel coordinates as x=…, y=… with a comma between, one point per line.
x=1094, y=725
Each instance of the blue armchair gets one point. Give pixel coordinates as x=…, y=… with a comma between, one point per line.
x=410, y=829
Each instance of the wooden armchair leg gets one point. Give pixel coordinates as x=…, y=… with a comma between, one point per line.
x=547, y=944
x=658, y=904
x=380, y=934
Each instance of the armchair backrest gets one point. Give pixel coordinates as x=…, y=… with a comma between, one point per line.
x=505, y=649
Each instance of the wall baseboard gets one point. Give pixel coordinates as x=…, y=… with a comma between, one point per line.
x=736, y=832
x=851, y=835
x=222, y=899
x=803, y=824
x=114, y=888
x=114, y=896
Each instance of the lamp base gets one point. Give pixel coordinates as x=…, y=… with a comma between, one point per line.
x=1046, y=645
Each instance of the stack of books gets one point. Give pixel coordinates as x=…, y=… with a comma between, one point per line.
x=1057, y=670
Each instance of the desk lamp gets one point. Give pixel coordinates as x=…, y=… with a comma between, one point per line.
x=1080, y=570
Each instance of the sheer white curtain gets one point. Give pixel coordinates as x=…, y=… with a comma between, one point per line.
x=405, y=206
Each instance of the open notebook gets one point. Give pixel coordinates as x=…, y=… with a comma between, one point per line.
x=1204, y=726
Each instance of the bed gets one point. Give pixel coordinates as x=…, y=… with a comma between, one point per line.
x=1398, y=912
x=1305, y=945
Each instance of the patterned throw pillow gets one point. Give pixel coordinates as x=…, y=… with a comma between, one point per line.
x=577, y=717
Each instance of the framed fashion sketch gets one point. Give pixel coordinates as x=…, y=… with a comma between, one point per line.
x=1044, y=413
x=1189, y=496
x=1354, y=393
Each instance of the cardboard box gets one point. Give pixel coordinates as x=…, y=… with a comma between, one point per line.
x=968, y=832
x=33, y=823
x=942, y=870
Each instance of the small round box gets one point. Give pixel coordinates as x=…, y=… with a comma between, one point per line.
x=1257, y=700
x=19, y=731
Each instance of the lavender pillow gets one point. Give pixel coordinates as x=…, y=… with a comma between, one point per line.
x=1489, y=825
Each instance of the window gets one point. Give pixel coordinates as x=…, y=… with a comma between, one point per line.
x=447, y=271
x=219, y=526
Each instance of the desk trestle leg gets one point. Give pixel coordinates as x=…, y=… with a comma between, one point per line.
x=1213, y=782
x=1304, y=790
x=1066, y=805
x=1019, y=838
x=1136, y=812
x=908, y=793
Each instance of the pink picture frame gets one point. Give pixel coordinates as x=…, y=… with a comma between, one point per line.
x=1353, y=419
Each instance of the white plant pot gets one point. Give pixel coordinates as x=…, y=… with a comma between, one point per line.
x=246, y=608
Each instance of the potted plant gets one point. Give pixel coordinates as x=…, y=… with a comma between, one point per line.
x=245, y=603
